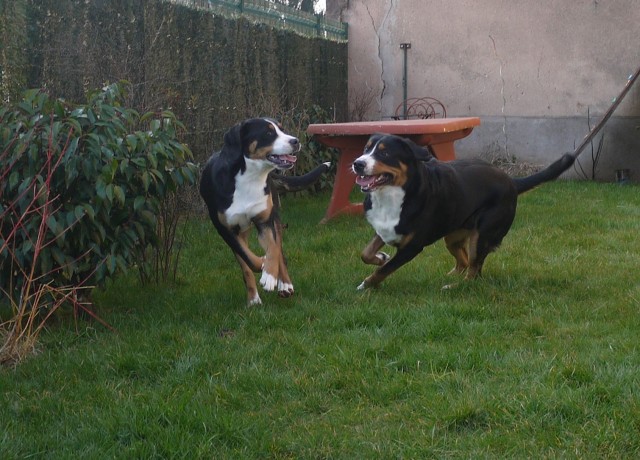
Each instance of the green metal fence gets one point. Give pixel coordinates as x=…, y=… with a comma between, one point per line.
x=275, y=14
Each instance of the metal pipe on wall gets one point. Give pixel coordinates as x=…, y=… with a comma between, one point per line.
x=404, y=47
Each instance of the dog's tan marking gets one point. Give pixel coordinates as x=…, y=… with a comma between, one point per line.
x=399, y=174
x=475, y=264
x=457, y=243
x=256, y=262
x=262, y=152
x=251, y=149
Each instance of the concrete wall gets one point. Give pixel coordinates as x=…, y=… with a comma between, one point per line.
x=532, y=70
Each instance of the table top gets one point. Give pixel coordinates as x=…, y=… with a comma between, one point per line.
x=420, y=126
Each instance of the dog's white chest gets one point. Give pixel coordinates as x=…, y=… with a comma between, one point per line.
x=249, y=198
x=384, y=215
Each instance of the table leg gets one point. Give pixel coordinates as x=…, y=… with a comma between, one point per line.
x=342, y=187
x=444, y=151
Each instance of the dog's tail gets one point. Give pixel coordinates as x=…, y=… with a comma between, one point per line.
x=524, y=184
x=282, y=183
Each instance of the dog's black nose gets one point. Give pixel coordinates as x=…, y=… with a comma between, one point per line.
x=294, y=142
x=358, y=167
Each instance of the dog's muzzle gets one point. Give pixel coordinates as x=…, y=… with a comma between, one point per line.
x=282, y=161
x=368, y=182
x=286, y=160
x=358, y=167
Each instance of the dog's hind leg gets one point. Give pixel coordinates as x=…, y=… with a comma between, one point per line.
x=486, y=240
x=257, y=262
x=475, y=258
x=457, y=243
x=477, y=255
x=285, y=285
x=253, y=298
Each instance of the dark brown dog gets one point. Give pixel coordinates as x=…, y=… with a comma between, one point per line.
x=238, y=185
x=413, y=200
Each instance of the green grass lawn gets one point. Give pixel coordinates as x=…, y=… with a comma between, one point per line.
x=538, y=359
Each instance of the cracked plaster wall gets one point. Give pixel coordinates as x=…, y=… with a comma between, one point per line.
x=531, y=70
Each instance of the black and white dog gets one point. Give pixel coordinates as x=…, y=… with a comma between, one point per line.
x=240, y=188
x=413, y=200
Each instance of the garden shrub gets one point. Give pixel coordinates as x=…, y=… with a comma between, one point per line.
x=296, y=121
x=100, y=169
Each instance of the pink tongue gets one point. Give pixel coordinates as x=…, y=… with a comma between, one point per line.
x=365, y=181
x=289, y=158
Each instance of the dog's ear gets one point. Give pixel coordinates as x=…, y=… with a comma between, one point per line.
x=274, y=121
x=419, y=152
x=232, y=139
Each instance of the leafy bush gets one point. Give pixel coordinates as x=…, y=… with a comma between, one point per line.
x=102, y=171
x=313, y=152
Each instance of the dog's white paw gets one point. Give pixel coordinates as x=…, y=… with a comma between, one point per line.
x=285, y=289
x=447, y=287
x=268, y=281
x=327, y=164
x=361, y=287
x=282, y=286
x=256, y=300
x=383, y=256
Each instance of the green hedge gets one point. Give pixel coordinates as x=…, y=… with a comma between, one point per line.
x=209, y=70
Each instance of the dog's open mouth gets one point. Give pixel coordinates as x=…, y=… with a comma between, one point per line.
x=282, y=161
x=370, y=183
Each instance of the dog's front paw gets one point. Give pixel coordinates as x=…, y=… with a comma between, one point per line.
x=383, y=257
x=268, y=281
x=255, y=300
x=285, y=289
x=362, y=286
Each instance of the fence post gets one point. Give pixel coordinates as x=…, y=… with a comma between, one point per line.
x=318, y=28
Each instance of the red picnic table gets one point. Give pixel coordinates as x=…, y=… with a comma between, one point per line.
x=350, y=139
